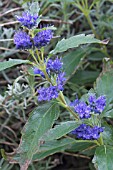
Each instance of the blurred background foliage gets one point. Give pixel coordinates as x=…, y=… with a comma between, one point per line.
x=83, y=65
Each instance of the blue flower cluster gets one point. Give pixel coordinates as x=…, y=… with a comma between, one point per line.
x=52, y=92
x=95, y=105
x=23, y=41
x=54, y=66
x=28, y=20
x=42, y=38
x=46, y=94
x=83, y=110
x=60, y=81
x=86, y=132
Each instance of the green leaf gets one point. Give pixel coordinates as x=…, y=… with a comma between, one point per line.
x=30, y=71
x=51, y=147
x=73, y=42
x=12, y=62
x=84, y=77
x=39, y=122
x=60, y=130
x=108, y=113
x=32, y=7
x=96, y=56
x=68, y=144
x=82, y=146
x=104, y=158
x=104, y=84
x=72, y=60
x=107, y=134
x=67, y=1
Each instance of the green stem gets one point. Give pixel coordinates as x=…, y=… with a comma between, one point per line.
x=46, y=75
x=63, y=103
x=91, y=25
x=100, y=140
x=37, y=52
x=73, y=113
x=42, y=54
x=32, y=54
x=104, y=49
x=96, y=142
x=62, y=97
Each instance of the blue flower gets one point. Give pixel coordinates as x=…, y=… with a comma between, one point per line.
x=61, y=81
x=22, y=40
x=56, y=85
x=28, y=20
x=100, y=104
x=86, y=132
x=43, y=38
x=83, y=110
x=54, y=65
x=92, y=99
x=47, y=93
x=38, y=71
x=97, y=105
x=74, y=103
x=43, y=94
x=53, y=92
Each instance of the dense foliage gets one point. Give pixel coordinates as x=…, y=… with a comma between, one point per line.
x=61, y=98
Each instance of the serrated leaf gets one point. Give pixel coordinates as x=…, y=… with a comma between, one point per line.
x=60, y=130
x=104, y=84
x=73, y=42
x=39, y=122
x=51, y=147
x=12, y=62
x=104, y=158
